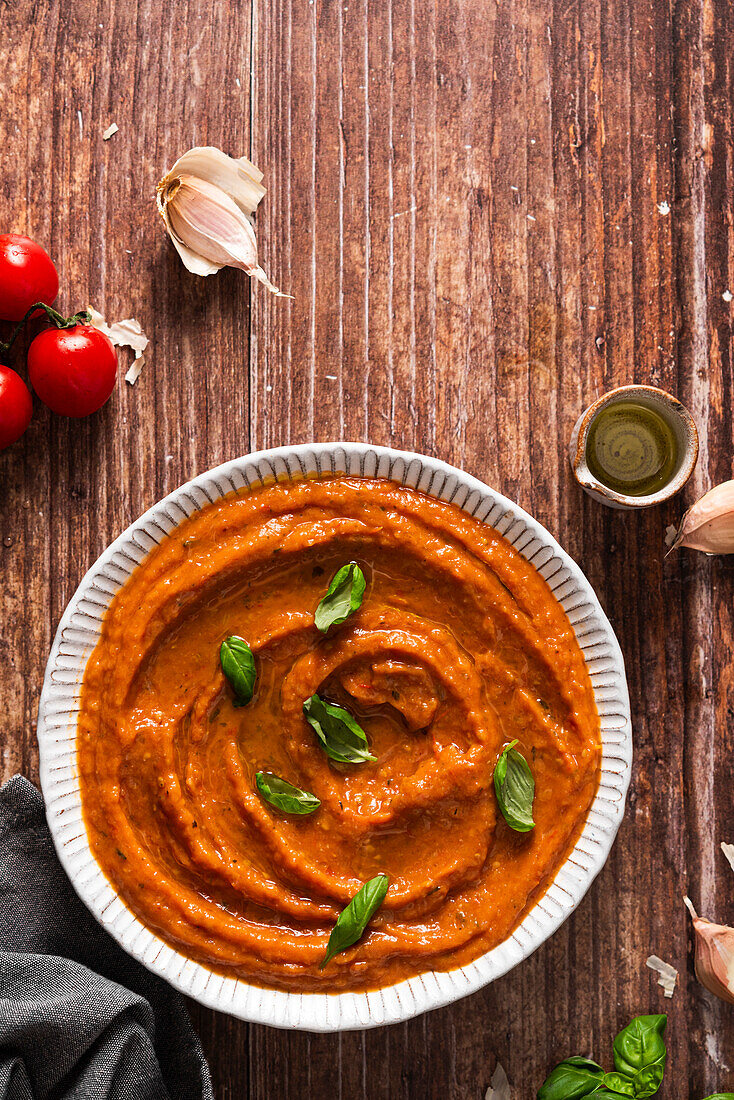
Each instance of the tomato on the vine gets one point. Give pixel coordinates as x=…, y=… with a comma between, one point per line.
x=16, y=407
x=27, y=275
x=73, y=370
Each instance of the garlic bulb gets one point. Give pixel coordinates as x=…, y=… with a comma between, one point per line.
x=207, y=201
x=709, y=524
x=714, y=955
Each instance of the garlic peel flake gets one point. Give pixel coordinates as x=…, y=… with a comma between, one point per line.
x=709, y=524
x=714, y=955
x=728, y=850
x=499, y=1088
x=134, y=370
x=124, y=334
x=667, y=974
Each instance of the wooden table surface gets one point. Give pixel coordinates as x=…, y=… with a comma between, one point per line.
x=488, y=214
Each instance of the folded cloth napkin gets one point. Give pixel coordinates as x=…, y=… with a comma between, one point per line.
x=79, y=1019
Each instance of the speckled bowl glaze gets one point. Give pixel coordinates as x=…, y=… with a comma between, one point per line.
x=672, y=411
x=78, y=633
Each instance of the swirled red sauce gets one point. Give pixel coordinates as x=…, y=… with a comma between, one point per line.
x=459, y=647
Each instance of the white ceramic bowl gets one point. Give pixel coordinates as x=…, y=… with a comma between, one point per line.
x=78, y=633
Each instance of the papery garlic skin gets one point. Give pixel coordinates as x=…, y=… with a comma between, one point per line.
x=709, y=524
x=239, y=179
x=206, y=202
x=124, y=334
x=714, y=961
x=499, y=1088
x=728, y=850
x=667, y=974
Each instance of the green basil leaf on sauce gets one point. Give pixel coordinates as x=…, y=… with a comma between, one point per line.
x=284, y=796
x=340, y=736
x=515, y=789
x=572, y=1079
x=343, y=597
x=353, y=920
x=238, y=665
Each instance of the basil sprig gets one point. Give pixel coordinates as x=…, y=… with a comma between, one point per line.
x=238, y=665
x=284, y=796
x=639, y=1057
x=340, y=736
x=515, y=789
x=343, y=597
x=353, y=920
x=639, y=1065
x=576, y=1077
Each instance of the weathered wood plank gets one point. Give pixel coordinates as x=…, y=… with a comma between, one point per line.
x=466, y=200
x=169, y=80
x=707, y=188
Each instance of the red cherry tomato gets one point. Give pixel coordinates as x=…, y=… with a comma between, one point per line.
x=73, y=370
x=16, y=407
x=27, y=275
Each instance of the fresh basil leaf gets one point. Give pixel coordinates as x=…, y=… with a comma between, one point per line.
x=340, y=736
x=343, y=597
x=639, y=1054
x=515, y=789
x=619, y=1084
x=281, y=794
x=353, y=920
x=572, y=1079
x=238, y=665
x=648, y=1080
x=720, y=1096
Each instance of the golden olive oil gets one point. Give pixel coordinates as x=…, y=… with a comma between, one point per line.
x=632, y=449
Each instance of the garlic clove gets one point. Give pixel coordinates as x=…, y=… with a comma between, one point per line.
x=197, y=265
x=211, y=224
x=709, y=524
x=714, y=955
x=207, y=212
x=239, y=179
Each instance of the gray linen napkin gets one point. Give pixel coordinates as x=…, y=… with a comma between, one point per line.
x=79, y=1019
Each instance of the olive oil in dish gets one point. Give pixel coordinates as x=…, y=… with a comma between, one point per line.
x=632, y=449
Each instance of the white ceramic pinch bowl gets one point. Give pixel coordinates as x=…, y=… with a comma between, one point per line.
x=77, y=636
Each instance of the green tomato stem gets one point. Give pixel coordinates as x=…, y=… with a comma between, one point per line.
x=83, y=317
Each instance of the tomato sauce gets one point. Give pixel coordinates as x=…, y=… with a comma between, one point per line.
x=459, y=647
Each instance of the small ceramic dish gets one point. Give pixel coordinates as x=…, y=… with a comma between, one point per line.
x=77, y=636
x=673, y=413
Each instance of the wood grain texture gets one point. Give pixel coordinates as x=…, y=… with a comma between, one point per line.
x=466, y=201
